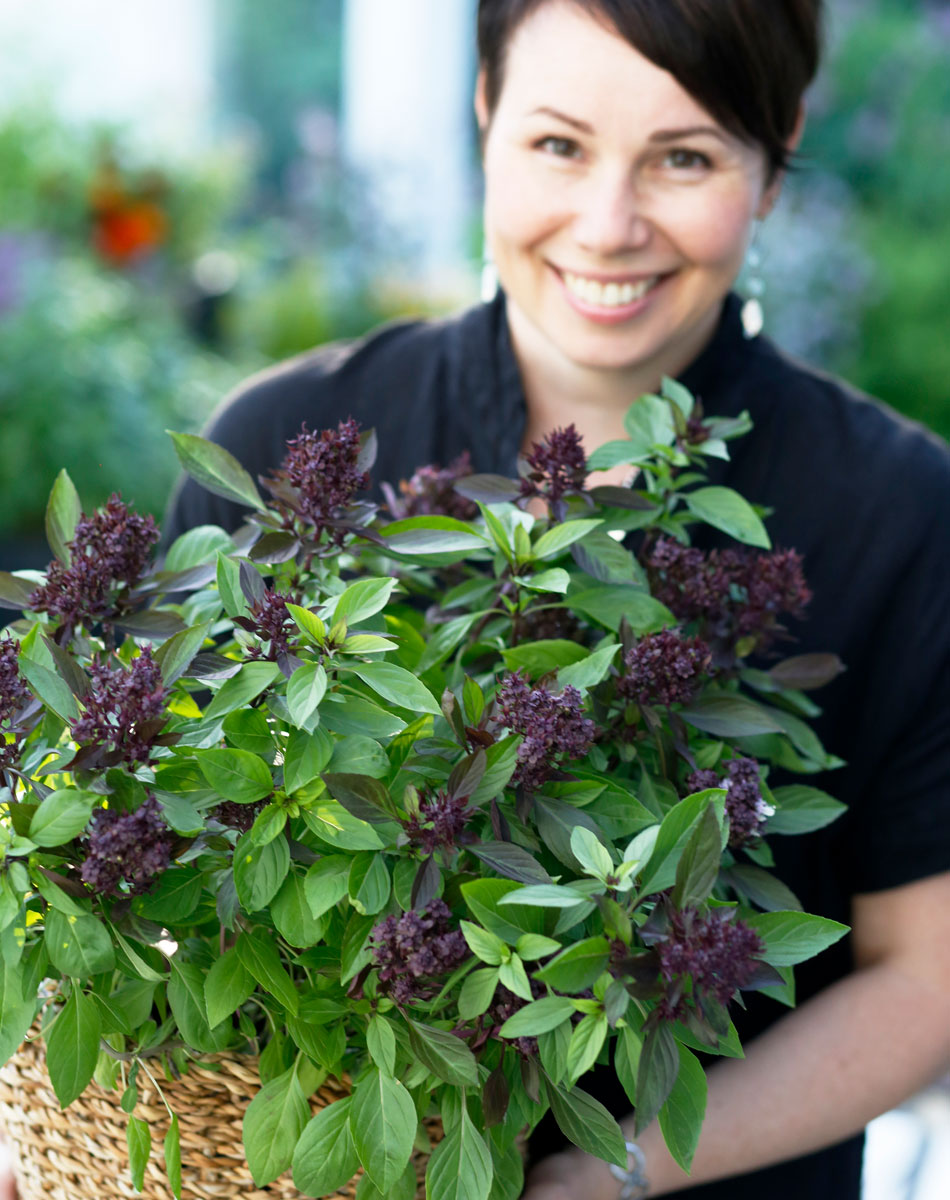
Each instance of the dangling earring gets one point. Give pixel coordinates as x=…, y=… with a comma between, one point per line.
x=489, y=280
x=753, y=318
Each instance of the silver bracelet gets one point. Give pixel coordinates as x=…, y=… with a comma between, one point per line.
x=635, y=1183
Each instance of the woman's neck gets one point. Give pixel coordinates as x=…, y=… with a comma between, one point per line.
x=559, y=392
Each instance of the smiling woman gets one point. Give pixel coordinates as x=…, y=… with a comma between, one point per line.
x=629, y=148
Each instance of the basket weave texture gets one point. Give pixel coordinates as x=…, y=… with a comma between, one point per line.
x=81, y=1153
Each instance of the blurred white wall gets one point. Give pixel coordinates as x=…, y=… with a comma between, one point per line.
x=142, y=61
x=407, y=69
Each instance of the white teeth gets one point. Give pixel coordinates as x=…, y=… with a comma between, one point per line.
x=610, y=295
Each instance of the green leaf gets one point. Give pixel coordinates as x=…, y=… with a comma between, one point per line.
x=361, y=600
x=227, y=985
x=591, y=853
x=681, y=1117
x=326, y=883
x=72, y=1047
x=398, y=686
x=273, y=1124
x=445, y=1055
x=247, y=729
x=381, y=1044
x=659, y=1066
x=242, y=688
x=49, y=688
x=259, y=870
x=585, y=1122
x=605, y=559
x=196, y=548
x=355, y=714
x=216, y=470
x=78, y=946
x=176, y=655
x=369, y=883
x=556, y=540
x=16, y=1009
x=63, y=511
x=306, y=755
x=610, y=604
x=725, y=509
x=138, y=1138
x=792, y=937
x=291, y=913
x=383, y=1123
x=186, y=999
x=537, y=658
x=445, y=640
x=460, y=1167
x=174, y=897
x=587, y=1040
x=589, y=671
x=729, y=716
x=577, y=967
x=358, y=755
x=801, y=809
x=432, y=535
x=649, y=422
x=545, y=895
x=698, y=867
x=627, y=1061
x=477, y=992
x=763, y=889
x=61, y=817
x=676, y=828
x=309, y=623
x=305, y=689
x=483, y=897
x=172, y=1149
x=534, y=945
x=260, y=956
x=540, y=1016
x=552, y=1048
x=484, y=945
x=236, y=775
x=325, y=1158
x=554, y=580
x=512, y=975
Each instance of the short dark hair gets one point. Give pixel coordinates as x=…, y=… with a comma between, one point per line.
x=746, y=62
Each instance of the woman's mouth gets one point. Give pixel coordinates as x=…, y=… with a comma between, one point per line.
x=610, y=301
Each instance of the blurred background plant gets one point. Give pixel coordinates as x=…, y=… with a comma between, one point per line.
x=146, y=266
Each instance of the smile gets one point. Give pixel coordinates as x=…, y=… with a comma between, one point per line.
x=607, y=295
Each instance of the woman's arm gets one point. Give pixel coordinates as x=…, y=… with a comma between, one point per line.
x=822, y=1072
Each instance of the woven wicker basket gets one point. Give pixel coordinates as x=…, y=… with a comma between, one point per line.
x=81, y=1154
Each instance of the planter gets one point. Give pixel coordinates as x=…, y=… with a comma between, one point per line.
x=81, y=1154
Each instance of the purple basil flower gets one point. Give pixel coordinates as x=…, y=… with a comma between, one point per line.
x=324, y=469
x=440, y=822
x=131, y=847
x=269, y=619
x=745, y=807
x=413, y=949
x=125, y=709
x=13, y=695
x=431, y=491
x=109, y=551
x=701, y=781
x=732, y=594
x=718, y=952
x=663, y=668
x=551, y=725
x=557, y=465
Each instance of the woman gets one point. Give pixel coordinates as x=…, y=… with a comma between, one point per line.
x=629, y=148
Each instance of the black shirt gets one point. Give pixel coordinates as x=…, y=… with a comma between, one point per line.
x=861, y=493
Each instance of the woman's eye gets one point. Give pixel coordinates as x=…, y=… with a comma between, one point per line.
x=558, y=146
x=687, y=160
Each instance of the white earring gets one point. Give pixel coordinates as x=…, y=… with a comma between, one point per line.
x=753, y=316
x=489, y=278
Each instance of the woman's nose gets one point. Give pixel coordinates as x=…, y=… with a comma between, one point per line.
x=610, y=218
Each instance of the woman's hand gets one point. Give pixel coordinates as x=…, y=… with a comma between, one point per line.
x=570, y=1176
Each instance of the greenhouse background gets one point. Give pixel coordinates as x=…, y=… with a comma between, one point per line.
x=192, y=189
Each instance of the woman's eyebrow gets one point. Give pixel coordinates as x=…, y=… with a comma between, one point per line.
x=675, y=135
x=553, y=112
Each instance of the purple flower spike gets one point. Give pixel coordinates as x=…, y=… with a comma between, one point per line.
x=718, y=952
x=663, y=668
x=440, y=823
x=557, y=464
x=109, y=550
x=13, y=694
x=550, y=724
x=134, y=847
x=125, y=709
x=414, y=948
x=431, y=491
x=324, y=470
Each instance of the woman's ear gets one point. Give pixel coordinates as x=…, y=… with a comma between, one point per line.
x=772, y=192
x=481, y=103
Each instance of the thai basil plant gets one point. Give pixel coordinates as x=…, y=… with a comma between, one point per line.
x=451, y=806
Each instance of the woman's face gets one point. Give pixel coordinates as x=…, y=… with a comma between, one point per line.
x=617, y=210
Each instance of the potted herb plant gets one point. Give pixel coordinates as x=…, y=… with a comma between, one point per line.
x=418, y=818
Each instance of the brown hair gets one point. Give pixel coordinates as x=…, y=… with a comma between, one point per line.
x=746, y=62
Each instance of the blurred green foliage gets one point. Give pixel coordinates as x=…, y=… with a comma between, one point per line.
x=884, y=126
